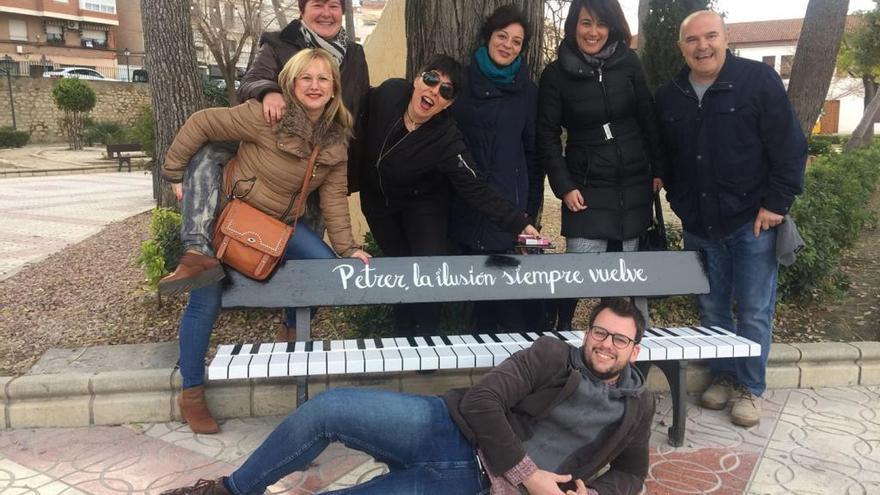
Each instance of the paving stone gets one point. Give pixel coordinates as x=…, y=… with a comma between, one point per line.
x=121, y=357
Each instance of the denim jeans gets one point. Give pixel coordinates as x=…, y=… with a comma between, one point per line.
x=425, y=451
x=201, y=312
x=742, y=272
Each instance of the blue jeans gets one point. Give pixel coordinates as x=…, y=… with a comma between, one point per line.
x=425, y=451
x=742, y=269
x=201, y=312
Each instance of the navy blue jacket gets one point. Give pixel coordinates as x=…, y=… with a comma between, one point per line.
x=498, y=126
x=738, y=151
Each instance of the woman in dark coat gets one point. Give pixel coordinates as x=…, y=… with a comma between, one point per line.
x=411, y=154
x=496, y=115
x=611, y=164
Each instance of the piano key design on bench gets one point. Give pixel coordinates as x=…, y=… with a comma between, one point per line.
x=382, y=355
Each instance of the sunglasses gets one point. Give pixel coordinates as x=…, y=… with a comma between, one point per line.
x=432, y=79
x=619, y=340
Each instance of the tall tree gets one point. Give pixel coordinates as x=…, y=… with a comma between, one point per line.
x=451, y=27
x=226, y=28
x=860, y=137
x=174, y=80
x=280, y=13
x=661, y=56
x=815, y=59
x=554, y=20
x=644, y=8
x=860, y=58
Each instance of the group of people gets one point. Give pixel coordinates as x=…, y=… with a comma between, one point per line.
x=460, y=154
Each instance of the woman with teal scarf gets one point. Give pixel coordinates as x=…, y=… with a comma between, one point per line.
x=496, y=113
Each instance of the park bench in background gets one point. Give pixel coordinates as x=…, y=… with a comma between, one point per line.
x=117, y=150
x=304, y=284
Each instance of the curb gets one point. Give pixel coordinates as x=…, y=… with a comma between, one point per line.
x=149, y=396
x=96, y=169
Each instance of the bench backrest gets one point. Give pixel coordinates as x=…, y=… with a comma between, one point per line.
x=116, y=148
x=344, y=282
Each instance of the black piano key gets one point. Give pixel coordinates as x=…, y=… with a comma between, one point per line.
x=702, y=332
x=309, y=346
x=664, y=332
x=527, y=337
x=495, y=338
x=478, y=338
x=429, y=340
x=326, y=344
x=360, y=344
x=378, y=343
x=651, y=332
x=290, y=347
x=412, y=341
x=445, y=340
x=559, y=336
x=236, y=349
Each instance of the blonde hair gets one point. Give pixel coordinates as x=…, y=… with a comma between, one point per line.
x=335, y=109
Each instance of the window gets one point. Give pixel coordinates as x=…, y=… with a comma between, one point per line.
x=103, y=6
x=94, y=39
x=785, y=67
x=769, y=60
x=54, y=34
x=17, y=30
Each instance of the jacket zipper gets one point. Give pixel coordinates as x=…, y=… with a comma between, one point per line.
x=617, y=149
x=462, y=162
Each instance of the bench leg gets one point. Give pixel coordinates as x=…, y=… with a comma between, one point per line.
x=676, y=375
x=303, y=334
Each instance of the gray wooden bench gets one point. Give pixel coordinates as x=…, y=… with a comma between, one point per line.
x=117, y=150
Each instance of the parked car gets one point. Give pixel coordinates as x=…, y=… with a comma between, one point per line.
x=77, y=72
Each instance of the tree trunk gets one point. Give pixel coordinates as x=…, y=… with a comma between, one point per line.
x=349, y=20
x=864, y=132
x=452, y=27
x=280, y=16
x=644, y=8
x=815, y=59
x=870, y=90
x=174, y=81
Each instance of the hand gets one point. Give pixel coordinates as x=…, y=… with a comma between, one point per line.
x=530, y=230
x=361, y=255
x=581, y=489
x=274, y=107
x=545, y=483
x=766, y=220
x=574, y=201
x=177, y=189
x=658, y=184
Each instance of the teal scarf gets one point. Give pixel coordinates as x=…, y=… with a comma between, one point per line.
x=500, y=76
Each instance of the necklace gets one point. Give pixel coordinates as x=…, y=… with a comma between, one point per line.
x=412, y=121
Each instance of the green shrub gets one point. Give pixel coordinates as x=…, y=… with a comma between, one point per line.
x=216, y=97
x=107, y=132
x=143, y=131
x=159, y=255
x=76, y=99
x=821, y=144
x=830, y=215
x=10, y=138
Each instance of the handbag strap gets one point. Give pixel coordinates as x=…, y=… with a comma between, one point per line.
x=300, y=198
x=658, y=214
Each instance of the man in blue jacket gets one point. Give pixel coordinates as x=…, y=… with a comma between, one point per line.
x=736, y=156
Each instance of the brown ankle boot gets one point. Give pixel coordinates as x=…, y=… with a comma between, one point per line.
x=284, y=334
x=195, y=411
x=193, y=271
x=202, y=487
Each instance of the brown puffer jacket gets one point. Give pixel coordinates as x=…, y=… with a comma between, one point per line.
x=268, y=170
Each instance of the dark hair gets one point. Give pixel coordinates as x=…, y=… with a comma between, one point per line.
x=621, y=306
x=445, y=65
x=302, y=5
x=501, y=18
x=607, y=11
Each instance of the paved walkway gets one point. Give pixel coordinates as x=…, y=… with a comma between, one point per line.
x=809, y=442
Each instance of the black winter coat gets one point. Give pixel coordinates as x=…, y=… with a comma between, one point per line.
x=614, y=175
x=498, y=126
x=420, y=167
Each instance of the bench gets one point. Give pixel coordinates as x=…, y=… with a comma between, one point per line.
x=117, y=150
x=304, y=284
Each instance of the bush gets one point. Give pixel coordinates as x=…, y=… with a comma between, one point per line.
x=830, y=215
x=821, y=144
x=159, y=255
x=107, y=132
x=10, y=138
x=216, y=97
x=76, y=98
x=143, y=131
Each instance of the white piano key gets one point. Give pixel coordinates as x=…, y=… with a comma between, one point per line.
x=350, y=344
x=245, y=349
x=389, y=343
x=354, y=361
x=428, y=358
x=337, y=345
x=741, y=347
x=336, y=362
x=318, y=345
x=373, y=362
x=482, y=357
x=411, y=359
x=465, y=357
x=278, y=364
x=708, y=350
x=225, y=350
x=317, y=362
x=690, y=349
x=499, y=353
x=369, y=344
x=259, y=366
x=265, y=348
x=299, y=364
x=238, y=368
x=447, y=359
x=391, y=358
x=655, y=351
x=219, y=368
x=754, y=347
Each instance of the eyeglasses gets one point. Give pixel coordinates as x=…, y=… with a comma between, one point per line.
x=432, y=78
x=619, y=340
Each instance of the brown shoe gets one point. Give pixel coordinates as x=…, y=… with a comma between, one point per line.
x=746, y=409
x=195, y=411
x=202, y=487
x=193, y=271
x=284, y=334
x=718, y=394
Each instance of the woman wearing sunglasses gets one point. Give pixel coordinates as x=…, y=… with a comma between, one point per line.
x=610, y=168
x=411, y=153
x=496, y=115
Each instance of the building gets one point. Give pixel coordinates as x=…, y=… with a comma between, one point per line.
x=41, y=35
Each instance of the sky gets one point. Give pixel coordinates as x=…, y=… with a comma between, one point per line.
x=750, y=10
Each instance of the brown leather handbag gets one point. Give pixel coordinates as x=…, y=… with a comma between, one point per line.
x=252, y=242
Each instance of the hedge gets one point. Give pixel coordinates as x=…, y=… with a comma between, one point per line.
x=10, y=138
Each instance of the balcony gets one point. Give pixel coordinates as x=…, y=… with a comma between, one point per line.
x=93, y=43
x=55, y=39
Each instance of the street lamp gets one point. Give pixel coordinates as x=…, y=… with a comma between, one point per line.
x=127, y=54
x=7, y=61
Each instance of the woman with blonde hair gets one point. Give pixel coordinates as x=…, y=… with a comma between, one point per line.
x=267, y=172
